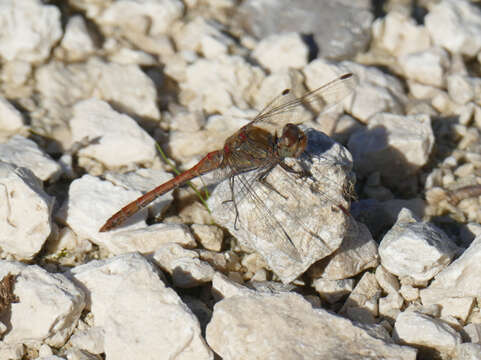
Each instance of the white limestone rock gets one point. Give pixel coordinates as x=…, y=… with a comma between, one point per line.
x=409, y=292
x=146, y=239
x=185, y=144
x=145, y=180
x=416, y=249
x=152, y=17
x=281, y=51
x=390, y=305
x=92, y=201
x=24, y=152
x=209, y=236
x=223, y=287
x=275, y=83
x=460, y=279
x=45, y=351
x=375, y=92
x=76, y=44
x=127, y=86
x=12, y=352
x=473, y=332
x=463, y=89
x=427, y=67
x=455, y=25
x=11, y=120
x=21, y=193
x=15, y=75
x=285, y=326
x=333, y=290
x=126, y=56
x=357, y=253
x=399, y=34
x=147, y=318
x=215, y=85
x=59, y=87
x=29, y=30
x=204, y=37
x=67, y=248
x=362, y=303
x=414, y=328
x=304, y=209
x=457, y=307
x=468, y=351
x=90, y=339
x=388, y=282
x=117, y=140
x=48, y=309
x=389, y=139
x=186, y=268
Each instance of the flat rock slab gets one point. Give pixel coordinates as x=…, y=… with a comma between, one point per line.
x=285, y=326
x=140, y=316
x=25, y=153
x=48, y=307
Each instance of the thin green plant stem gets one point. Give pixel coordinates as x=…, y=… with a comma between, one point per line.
x=177, y=172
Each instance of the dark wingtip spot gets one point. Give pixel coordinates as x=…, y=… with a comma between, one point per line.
x=286, y=91
x=346, y=76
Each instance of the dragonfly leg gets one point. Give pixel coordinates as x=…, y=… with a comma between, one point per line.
x=232, y=199
x=302, y=173
x=263, y=181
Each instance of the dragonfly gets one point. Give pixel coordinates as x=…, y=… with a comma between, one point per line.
x=256, y=146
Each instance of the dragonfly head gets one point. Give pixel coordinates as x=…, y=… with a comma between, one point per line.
x=292, y=142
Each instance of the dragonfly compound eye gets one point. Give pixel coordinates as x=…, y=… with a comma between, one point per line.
x=292, y=142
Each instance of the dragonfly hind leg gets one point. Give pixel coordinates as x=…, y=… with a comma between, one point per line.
x=232, y=199
x=263, y=181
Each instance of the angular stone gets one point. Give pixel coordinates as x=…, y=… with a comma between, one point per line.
x=185, y=267
x=286, y=325
x=459, y=279
x=415, y=249
x=278, y=52
x=26, y=37
x=389, y=139
x=24, y=152
x=304, y=209
x=455, y=25
x=147, y=318
x=48, y=309
x=21, y=193
x=418, y=329
x=109, y=132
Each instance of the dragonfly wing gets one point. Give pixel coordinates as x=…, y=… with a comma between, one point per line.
x=284, y=108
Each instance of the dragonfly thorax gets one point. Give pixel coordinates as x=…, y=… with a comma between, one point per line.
x=292, y=142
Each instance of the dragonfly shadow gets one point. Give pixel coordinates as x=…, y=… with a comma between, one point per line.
x=317, y=142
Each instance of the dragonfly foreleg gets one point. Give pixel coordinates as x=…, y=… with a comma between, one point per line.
x=301, y=173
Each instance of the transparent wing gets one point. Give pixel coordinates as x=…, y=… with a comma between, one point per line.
x=255, y=214
x=279, y=111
